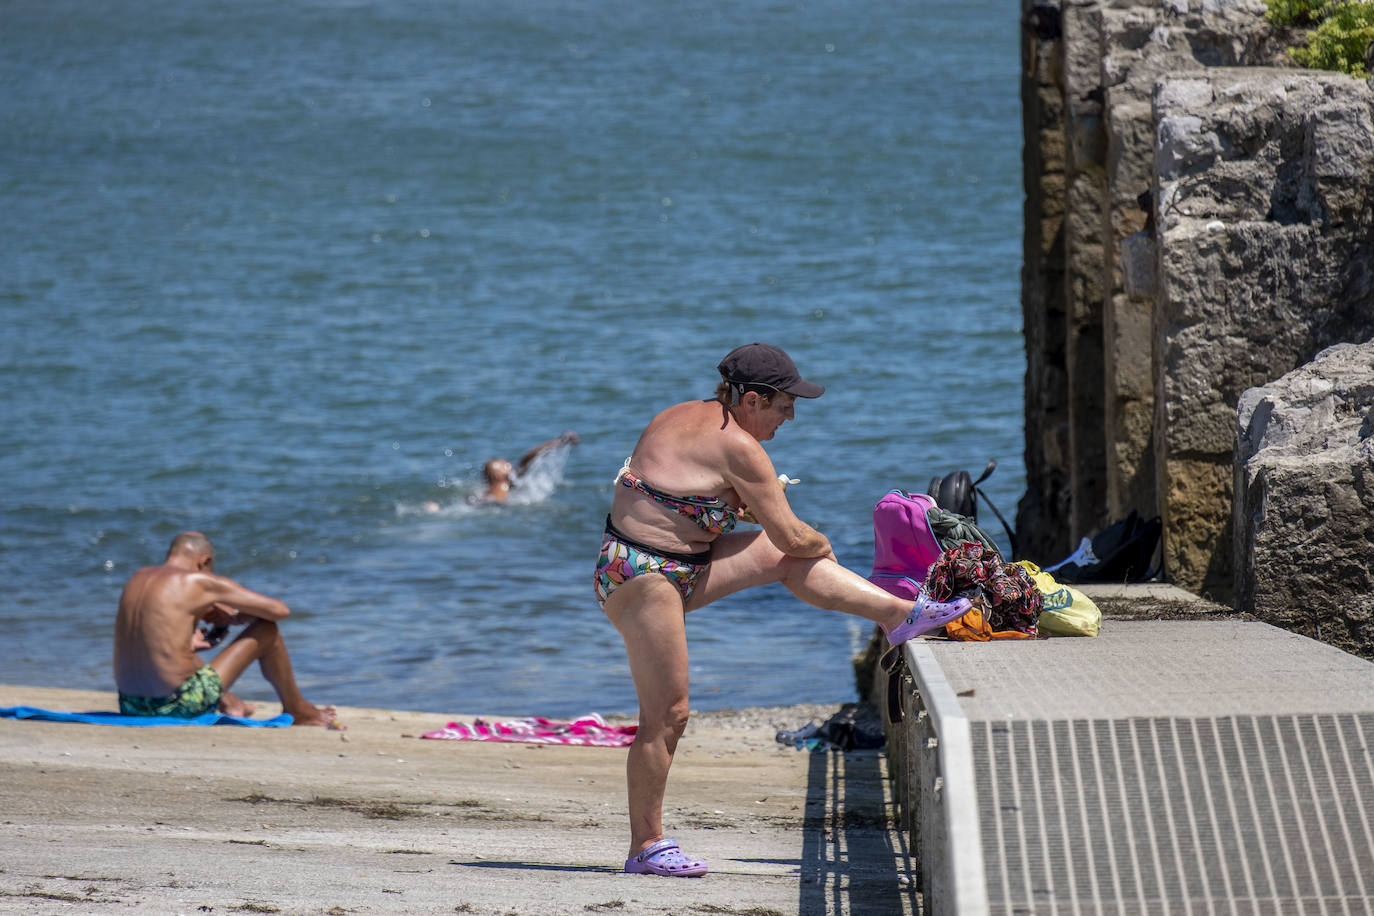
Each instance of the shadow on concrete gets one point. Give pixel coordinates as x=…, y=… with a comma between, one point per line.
x=854, y=857
x=538, y=866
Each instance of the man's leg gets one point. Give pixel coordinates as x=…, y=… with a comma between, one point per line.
x=233, y=705
x=261, y=642
x=647, y=611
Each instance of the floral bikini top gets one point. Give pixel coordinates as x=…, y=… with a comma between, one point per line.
x=712, y=514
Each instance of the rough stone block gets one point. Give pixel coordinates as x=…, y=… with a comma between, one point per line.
x=1138, y=267
x=1184, y=143
x=1197, y=544
x=1183, y=94
x=1265, y=234
x=1128, y=421
x=1039, y=516
x=1143, y=42
x=1304, y=505
x=1338, y=148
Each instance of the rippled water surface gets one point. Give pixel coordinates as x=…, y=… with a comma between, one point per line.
x=286, y=272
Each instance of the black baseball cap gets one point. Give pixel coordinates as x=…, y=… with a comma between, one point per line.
x=764, y=364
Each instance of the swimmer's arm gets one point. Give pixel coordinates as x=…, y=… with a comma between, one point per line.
x=225, y=595
x=569, y=437
x=752, y=475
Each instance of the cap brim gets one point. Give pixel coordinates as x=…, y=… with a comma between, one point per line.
x=805, y=389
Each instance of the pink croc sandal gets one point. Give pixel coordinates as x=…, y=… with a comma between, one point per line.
x=665, y=858
x=928, y=615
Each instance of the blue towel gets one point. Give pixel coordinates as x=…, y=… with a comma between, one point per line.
x=115, y=718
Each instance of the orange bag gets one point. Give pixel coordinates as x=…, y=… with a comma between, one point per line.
x=973, y=627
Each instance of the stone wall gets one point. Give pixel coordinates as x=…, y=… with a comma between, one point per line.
x=1304, y=506
x=1265, y=183
x=1139, y=45
x=1086, y=88
x=1210, y=213
x=1042, y=286
x=1085, y=262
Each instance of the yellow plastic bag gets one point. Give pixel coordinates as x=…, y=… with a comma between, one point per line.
x=1067, y=611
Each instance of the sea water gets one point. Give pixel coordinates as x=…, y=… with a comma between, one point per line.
x=288, y=273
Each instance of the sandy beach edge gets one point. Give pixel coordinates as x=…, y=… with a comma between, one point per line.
x=374, y=819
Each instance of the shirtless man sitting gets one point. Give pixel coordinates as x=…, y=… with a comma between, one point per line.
x=155, y=669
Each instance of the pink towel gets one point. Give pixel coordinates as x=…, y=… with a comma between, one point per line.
x=590, y=730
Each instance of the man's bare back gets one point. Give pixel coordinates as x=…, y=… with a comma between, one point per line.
x=158, y=612
x=156, y=624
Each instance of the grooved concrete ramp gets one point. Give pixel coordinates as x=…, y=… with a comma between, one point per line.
x=1216, y=766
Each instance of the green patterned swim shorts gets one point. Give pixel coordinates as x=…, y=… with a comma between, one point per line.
x=199, y=694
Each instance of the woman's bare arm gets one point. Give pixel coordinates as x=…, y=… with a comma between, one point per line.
x=752, y=475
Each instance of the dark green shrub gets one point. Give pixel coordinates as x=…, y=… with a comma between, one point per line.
x=1295, y=13
x=1341, y=40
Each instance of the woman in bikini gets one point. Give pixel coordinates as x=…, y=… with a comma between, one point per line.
x=669, y=548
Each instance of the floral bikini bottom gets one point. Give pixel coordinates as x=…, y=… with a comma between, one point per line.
x=622, y=559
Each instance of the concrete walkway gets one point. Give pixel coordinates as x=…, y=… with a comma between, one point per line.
x=98, y=819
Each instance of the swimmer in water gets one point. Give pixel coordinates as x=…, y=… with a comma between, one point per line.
x=500, y=476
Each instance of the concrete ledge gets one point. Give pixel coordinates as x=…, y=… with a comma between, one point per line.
x=1137, y=591
x=1153, y=601
x=956, y=864
x=1166, y=765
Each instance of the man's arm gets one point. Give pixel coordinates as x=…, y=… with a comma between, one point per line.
x=752, y=475
x=225, y=594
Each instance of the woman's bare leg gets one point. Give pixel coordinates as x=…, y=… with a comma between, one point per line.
x=647, y=611
x=740, y=561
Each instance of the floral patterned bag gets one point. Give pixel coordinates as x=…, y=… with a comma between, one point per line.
x=1006, y=601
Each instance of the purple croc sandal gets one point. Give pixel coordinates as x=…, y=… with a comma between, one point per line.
x=665, y=858
x=928, y=615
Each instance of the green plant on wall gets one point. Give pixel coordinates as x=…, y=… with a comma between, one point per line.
x=1294, y=13
x=1342, y=38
